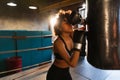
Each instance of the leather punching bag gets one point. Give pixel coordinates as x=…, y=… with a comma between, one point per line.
x=104, y=33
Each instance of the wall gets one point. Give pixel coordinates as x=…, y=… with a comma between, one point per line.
x=15, y=18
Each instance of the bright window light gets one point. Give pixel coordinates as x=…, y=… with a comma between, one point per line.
x=53, y=20
x=32, y=7
x=11, y=4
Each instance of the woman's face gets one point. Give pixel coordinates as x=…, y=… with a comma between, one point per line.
x=66, y=27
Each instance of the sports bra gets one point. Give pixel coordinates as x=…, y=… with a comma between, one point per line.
x=57, y=56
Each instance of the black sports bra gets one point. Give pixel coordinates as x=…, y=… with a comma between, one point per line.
x=57, y=56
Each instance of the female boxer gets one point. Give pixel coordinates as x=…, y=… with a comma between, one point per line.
x=66, y=49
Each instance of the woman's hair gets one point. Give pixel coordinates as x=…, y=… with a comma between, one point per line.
x=57, y=29
x=57, y=26
x=61, y=17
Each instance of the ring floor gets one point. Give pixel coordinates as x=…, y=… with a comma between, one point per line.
x=83, y=71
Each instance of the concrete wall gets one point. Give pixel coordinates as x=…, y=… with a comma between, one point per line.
x=12, y=18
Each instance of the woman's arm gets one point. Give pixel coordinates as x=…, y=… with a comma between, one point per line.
x=70, y=60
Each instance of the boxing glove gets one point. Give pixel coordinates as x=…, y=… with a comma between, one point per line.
x=74, y=18
x=78, y=37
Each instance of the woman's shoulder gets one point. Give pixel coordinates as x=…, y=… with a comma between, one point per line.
x=58, y=41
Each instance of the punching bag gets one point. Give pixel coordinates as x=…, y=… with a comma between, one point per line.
x=104, y=33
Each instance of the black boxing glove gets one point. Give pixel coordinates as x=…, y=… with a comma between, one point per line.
x=74, y=18
x=78, y=37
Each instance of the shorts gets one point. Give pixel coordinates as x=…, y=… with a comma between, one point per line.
x=56, y=73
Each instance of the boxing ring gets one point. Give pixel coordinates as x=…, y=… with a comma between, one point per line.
x=20, y=44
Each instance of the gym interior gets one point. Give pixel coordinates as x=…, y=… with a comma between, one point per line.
x=26, y=38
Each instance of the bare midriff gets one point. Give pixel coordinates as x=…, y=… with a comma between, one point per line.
x=61, y=63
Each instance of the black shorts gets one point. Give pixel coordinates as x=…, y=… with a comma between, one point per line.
x=56, y=73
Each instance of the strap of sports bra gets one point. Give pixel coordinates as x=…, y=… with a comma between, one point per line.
x=64, y=43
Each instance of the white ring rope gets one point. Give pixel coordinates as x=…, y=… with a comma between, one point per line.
x=23, y=50
x=26, y=36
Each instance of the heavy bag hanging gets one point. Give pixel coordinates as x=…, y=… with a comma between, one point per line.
x=104, y=33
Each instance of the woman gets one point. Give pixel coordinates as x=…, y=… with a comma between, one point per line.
x=66, y=55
